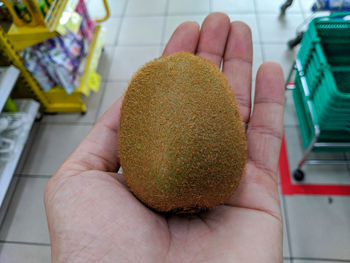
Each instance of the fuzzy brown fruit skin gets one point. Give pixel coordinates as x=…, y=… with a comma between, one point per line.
x=182, y=142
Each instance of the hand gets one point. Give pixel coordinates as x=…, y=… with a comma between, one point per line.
x=93, y=217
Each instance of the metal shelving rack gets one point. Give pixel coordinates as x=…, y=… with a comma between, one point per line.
x=7, y=168
x=50, y=26
x=56, y=100
x=8, y=78
x=21, y=84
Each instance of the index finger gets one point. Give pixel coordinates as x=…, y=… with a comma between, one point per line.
x=184, y=38
x=237, y=65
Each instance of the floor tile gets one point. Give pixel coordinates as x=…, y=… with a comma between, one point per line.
x=290, y=115
x=273, y=6
x=172, y=22
x=53, y=144
x=178, y=7
x=97, y=10
x=104, y=65
x=142, y=7
x=315, y=174
x=275, y=30
x=26, y=220
x=113, y=91
x=281, y=54
x=250, y=20
x=286, y=261
x=233, y=6
x=6, y=203
x=141, y=31
x=14, y=253
x=286, y=245
x=111, y=27
x=257, y=58
x=127, y=60
x=319, y=228
x=92, y=103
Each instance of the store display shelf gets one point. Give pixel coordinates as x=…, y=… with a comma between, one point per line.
x=90, y=79
x=60, y=16
x=7, y=168
x=63, y=102
x=8, y=78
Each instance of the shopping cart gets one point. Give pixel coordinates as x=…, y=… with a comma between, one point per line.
x=321, y=90
x=318, y=6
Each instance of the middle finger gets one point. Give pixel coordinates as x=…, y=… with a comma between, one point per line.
x=213, y=37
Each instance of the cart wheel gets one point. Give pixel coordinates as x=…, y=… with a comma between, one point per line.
x=298, y=175
x=83, y=113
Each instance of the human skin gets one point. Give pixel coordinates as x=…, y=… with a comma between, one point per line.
x=93, y=217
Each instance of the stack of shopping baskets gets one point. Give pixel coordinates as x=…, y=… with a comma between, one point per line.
x=322, y=85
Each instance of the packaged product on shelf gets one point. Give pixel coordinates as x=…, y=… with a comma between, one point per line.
x=32, y=63
x=87, y=27
x=60, y=61
x=73, y=46
x=50, y=59
x=13, y=128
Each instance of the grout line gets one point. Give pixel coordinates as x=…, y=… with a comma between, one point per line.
x=287, y=227
x=137, y=45
x=119, y=29
x=165, y=23
x=278, y=10
x=347, y=166
x=320, y=259
x=205, y=13
x=22, y=175
x=162, y=43
x=147, y=16
x=9, y=205
x=109, y=67
x=103, y=85
x=291, y=125
x=100, y=102
x=121, y=22
x=25, y=243
x=116, y=81
x=67, y=123
x=154, y=44
x=259, y=32
x=302, y=9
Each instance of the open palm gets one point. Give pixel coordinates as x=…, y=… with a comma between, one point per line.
x=93, y=217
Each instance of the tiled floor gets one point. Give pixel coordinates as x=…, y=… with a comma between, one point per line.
x=317, y=228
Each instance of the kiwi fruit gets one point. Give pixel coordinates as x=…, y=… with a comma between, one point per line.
x=182, y=144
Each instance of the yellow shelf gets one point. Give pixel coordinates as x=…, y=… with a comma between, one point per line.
x=60, y=15
x=63, y=102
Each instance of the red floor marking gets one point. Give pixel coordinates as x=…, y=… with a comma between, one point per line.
x=289, y=188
